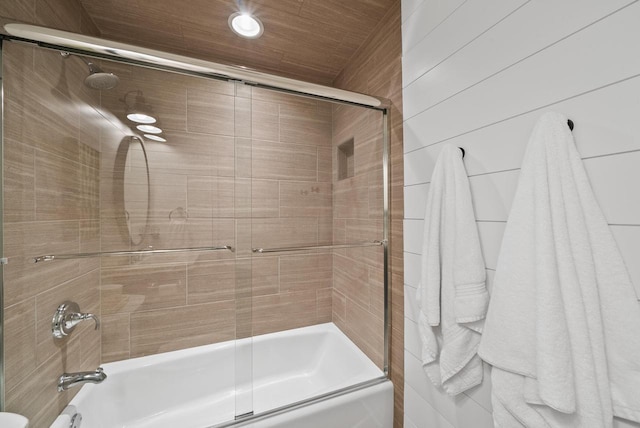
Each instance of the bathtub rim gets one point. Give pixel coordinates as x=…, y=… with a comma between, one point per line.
x=330, y=328
x=134, y=363
x=242, y=420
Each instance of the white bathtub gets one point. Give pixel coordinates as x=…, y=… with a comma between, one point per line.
x=209, y=385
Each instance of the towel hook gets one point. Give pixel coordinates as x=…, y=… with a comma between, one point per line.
x=569, y=122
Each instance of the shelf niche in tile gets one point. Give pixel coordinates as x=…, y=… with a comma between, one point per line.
x=346, y=163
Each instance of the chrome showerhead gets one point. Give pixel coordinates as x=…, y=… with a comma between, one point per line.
x=99, y=79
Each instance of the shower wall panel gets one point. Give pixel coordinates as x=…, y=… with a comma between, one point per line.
x=377, y=69
x=291, y=205
x=358, y=292
x=241, y=166
x=160, y=303
x=51, y=184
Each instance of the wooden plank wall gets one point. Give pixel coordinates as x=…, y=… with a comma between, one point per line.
x=478, y=75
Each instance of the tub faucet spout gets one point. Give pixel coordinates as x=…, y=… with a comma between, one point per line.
x=67, y=380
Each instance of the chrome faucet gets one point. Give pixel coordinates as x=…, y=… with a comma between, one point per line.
x=68, y=380
x=67, y=317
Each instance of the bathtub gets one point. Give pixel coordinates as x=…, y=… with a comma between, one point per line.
x=287, y=379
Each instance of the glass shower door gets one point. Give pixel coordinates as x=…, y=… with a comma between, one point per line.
x=317, y=262
x=142, y=223
x=244, y=406
x=240, y=212
x=190, y=298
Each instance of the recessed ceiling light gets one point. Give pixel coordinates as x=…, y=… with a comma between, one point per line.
x=149, y=129
x=154, y=138
x=246, y=25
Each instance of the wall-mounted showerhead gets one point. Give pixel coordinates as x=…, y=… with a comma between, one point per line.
x=97, y=78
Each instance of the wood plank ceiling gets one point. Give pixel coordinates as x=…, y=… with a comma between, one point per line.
x=310, y=40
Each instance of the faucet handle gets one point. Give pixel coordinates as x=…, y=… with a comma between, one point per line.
x=76, y=318
x=66, y=317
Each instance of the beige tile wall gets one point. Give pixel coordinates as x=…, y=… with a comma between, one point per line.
x=51, y=198
x=241, y=166
x=292, y=205
x=358, y=272
x=375, y=69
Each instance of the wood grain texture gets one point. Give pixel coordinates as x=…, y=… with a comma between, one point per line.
x=51, y=195
x=82, y=290
x=157, y=331
x=310, y=40
x=142, y=288
x=240, y=163
x=115, y=337
x=376, y=68
x=212, y=139
x=211, y=281
x=60, y=14
x=19, y=331
x=284, y=311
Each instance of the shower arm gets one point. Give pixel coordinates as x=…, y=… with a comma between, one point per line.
x=93, y=68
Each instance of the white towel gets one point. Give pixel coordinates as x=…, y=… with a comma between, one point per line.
x=563, y=322
x=452, y=295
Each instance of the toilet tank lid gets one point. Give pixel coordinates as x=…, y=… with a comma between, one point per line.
x=13, y=420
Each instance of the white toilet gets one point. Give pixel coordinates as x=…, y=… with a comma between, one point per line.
x=12, y=420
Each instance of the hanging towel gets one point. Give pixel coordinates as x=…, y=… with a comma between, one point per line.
x=562, y=328
x=452, y=295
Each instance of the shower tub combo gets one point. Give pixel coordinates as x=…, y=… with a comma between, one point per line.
x=311, y=377
x=198, y=388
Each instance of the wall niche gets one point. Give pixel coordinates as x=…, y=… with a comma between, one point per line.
x=346, y=161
